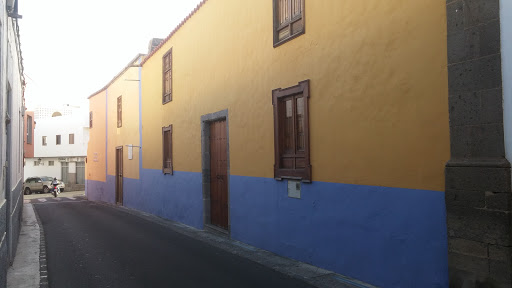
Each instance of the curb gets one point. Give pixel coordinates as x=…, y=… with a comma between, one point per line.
x=43, y=267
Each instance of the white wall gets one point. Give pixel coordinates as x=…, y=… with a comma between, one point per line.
x=43, y=170
x=64, y=125
x=506, y=69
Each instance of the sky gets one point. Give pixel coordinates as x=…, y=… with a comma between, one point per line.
x=73, y=48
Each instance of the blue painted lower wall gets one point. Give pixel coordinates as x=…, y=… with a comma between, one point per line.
x=178, y=197
x=100, y=191
x=389, y=237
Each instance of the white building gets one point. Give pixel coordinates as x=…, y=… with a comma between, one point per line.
x=60, y=148
x=11, y=134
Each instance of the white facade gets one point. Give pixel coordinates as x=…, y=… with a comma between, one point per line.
x=42, y=112
x=76, y=125
x=68, y=156
x=11, y=134
x=34, y=167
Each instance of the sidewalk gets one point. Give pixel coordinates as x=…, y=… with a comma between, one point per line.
x=25, y=271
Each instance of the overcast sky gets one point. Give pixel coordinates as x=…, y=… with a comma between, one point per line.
x=73, y=48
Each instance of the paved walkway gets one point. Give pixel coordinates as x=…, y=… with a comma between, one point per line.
x=25, y=271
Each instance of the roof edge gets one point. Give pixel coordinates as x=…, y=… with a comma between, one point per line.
x=130, y=65
x=174, y=31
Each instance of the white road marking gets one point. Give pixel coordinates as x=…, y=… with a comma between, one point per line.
x=71, y=198
x=41, y=200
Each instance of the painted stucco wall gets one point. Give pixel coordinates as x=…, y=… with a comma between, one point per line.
x=96, y=167
x=506, y=70
x=43, y=170
x=127, y=86
x=63, y=126
x=378, y=107
x=28, y=148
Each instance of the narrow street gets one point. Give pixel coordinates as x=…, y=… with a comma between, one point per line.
x=92, y=245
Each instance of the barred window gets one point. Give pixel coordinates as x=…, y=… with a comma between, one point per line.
x=167, y=149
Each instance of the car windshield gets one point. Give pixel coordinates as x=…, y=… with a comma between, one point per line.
x=44, y=178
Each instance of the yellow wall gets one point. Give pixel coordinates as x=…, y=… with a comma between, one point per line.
x=95, y=167
x=127, y=86
x=379, y=99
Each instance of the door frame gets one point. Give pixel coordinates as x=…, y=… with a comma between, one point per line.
x=119, y=192
x=206, y=120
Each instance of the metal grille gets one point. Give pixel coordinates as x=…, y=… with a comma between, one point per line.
x=80, y=172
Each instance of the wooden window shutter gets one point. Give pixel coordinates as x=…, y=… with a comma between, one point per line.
x=288, y=20
x=167, y=77
x=90, y=119
x=291, y=132
x=167, y=167
x=119, y=111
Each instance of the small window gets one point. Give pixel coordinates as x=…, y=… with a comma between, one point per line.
x=71, y=138
x=119, y=111
x=29, y=129
x=167, y=149
x=167, y=77
x=44, y=140
x=288, y=20
x=90, y=119
x=36, y=163
x=51, y=163
x=291, y=132
x=57, y=140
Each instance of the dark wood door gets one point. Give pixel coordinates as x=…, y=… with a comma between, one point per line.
x=119, y=175
x=218, y=174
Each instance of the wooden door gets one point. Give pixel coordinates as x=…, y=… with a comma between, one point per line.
x=218, y=174
x=119, y=175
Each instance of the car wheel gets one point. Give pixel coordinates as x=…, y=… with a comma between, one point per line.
x=27, y=191
x=46, y=189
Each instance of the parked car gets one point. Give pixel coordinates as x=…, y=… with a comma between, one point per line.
x=40, y=185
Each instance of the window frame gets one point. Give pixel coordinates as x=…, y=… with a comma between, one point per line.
x=277, y=26
x=58, y=139
x=167, y=170
x=90, y=119
x=164, y=71
x=278, y=95
x=45, y=141
x=71, y=138
x=29, y=129
x=120, y=111
x=51, y=163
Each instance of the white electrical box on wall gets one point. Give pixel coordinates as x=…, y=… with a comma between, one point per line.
x=130, y=152
x=294, y=189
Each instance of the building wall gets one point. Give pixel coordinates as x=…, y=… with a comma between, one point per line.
x=96, y=166
x=63, y=125
x=11, y=141
x=127, y=86
x=378, y=131
x=43, y=170
x=28, y=148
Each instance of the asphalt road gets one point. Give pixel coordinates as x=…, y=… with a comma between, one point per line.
x=92, y=245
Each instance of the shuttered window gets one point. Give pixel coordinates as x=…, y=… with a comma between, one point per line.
x=167, y=77
x=167, y=150
x=29, y=129
x=90, y=119
x=57, y=140
x=44, y=140
x=291, y=132
x=71, y=138
x=288, y=20
x=119, y=111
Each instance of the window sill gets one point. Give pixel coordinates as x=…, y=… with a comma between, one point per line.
x=281, y=42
